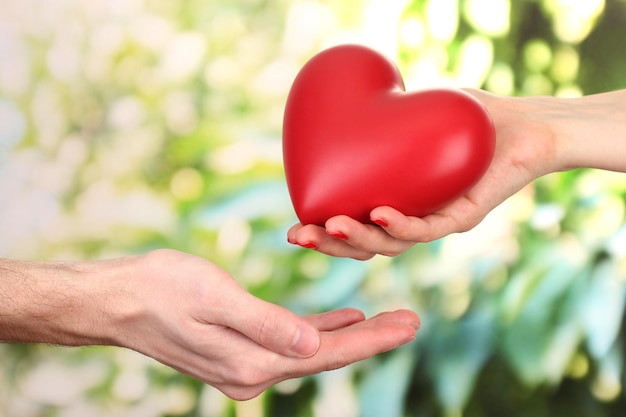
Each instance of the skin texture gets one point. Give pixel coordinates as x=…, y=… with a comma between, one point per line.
x=189, y=314
x=534, y=137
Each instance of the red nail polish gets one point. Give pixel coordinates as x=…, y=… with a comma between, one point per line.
x=290, y=240
x=308, y=245
x=380, y=222
x=338, y=235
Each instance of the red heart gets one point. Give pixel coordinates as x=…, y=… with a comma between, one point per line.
x=353, y=139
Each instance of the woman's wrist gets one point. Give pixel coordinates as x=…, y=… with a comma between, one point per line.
x=552, y=134
x=525, y=137
x=588, y=132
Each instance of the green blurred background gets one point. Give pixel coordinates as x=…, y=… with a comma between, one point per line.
x=128, y=125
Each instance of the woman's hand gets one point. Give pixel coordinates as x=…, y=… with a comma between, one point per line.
x=534, y=136
x=525, y=150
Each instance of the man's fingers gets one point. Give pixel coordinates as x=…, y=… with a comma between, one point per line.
x=402, y=316
x=349, y=339
x=336, y=319
x=360, y=341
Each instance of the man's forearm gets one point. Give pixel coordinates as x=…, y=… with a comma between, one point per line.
x=49, y=302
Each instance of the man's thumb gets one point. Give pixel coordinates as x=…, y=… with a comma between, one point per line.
x=276, y=328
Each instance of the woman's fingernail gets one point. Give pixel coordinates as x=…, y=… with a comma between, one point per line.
x=338, y=235
x=380, y=222
x=290, y=240
x=308, y=245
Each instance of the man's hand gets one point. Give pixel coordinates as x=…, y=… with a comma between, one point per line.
x=189, y=314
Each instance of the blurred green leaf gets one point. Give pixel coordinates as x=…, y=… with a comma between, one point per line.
x=541, y=340
x=602, y=309
x=254, y=201
x=333, y=290
x=383, y=389
x=456, y=351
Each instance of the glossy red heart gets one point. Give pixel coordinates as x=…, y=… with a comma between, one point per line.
x=353, y=139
